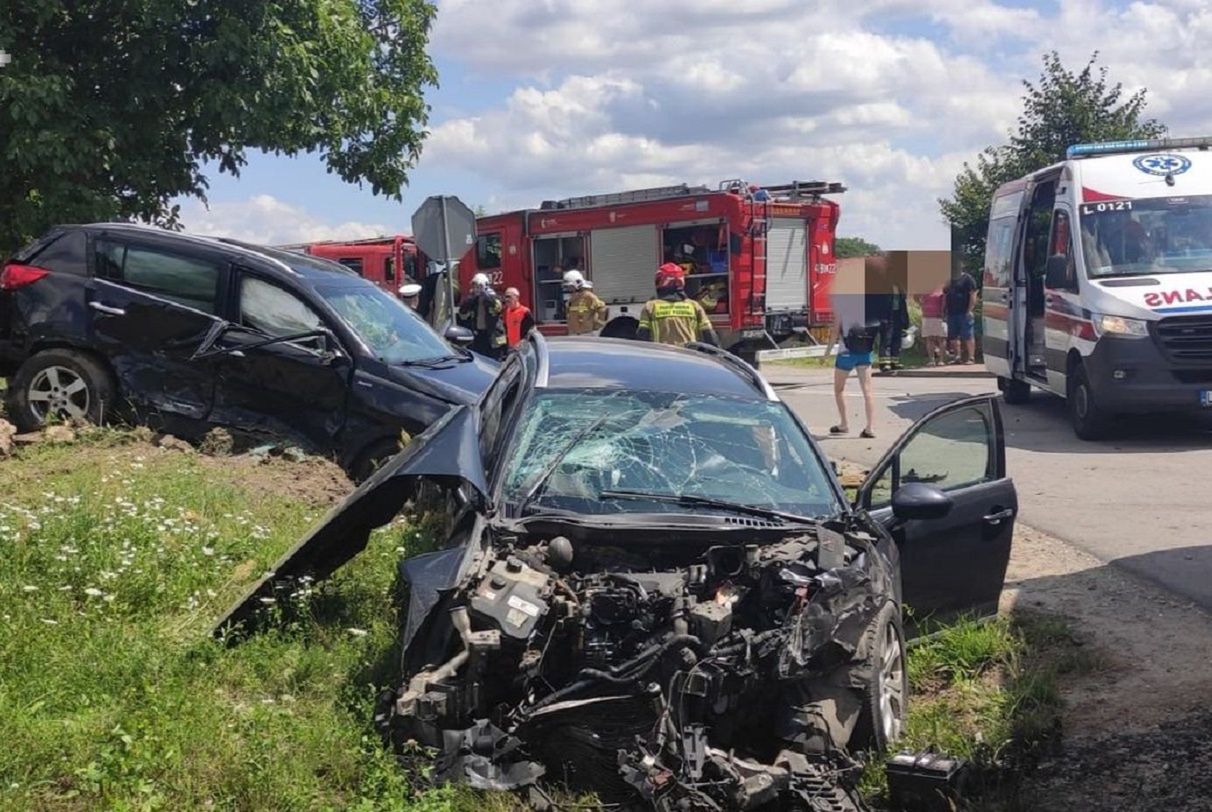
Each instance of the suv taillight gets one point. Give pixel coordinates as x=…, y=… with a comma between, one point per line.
x=16, y=275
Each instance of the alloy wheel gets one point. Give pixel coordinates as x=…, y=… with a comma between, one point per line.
x=60, y=392
x=891, y=684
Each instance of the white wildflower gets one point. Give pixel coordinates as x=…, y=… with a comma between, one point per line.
x=29, y=588
x=93, y=592
x=357, y=632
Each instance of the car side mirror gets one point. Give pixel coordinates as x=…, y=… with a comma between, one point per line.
x=1056, y=272
x=917, y=500
x=459, y=336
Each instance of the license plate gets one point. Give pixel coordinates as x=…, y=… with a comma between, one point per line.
x=1205, y=398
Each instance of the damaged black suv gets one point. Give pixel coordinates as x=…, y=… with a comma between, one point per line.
x=186, y=333
x=655, y=586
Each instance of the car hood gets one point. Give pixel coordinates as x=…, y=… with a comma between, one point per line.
x=447, y=452
x=459, y=382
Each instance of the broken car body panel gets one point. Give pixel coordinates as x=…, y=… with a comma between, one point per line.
x=446, y=452
x=676, y=649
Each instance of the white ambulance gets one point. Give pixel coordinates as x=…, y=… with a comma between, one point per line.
x=1098, y=281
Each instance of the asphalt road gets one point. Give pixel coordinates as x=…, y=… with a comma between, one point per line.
x=1142, y=500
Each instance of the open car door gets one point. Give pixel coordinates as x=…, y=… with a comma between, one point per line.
x=954, y=563
x=447, y=452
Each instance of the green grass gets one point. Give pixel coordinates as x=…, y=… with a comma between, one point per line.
x=989, y=692
x=114, y=561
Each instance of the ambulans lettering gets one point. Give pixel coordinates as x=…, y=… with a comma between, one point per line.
x=1105, y=206
x=1178, y=297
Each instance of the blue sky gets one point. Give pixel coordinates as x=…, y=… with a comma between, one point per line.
x=550, y=98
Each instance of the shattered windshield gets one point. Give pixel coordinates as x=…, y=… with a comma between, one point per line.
x=392, y=331
x=1150, y=235
x=574, y=446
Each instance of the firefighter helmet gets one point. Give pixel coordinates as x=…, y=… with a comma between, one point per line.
x=574, y=280
x=670, y=275
x=480, y=280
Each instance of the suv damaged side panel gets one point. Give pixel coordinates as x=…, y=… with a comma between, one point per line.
x=723, y=677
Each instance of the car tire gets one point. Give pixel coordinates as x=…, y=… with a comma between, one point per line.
x=885, y=684
x=1014, y=391
x=61, y=383
x=371, y=457
x=1090, y=421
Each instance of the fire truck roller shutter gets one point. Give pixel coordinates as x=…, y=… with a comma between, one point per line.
x=786, y=265
x=622, y=262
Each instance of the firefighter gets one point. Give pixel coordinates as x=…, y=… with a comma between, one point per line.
x=518, y=321
x=586, y=312
x=671, y=318
x=410, y=295
x=481, y=313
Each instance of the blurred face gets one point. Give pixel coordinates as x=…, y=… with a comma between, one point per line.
x=511, y=297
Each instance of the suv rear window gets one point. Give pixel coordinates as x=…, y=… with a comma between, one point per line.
x=65, y=253
x=191, y=281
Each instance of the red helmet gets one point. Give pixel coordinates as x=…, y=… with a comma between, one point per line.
x=670, y=275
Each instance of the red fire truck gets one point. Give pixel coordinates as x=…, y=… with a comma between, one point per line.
x=759, y=259
x=379, y=259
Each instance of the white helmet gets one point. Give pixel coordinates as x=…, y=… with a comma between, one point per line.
x=574, y=280
x=480, y=280
x=410, y=290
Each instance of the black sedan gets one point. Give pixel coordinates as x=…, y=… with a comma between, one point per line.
x=655, y=586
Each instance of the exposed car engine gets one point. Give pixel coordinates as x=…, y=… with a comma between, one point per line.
x=676, y=677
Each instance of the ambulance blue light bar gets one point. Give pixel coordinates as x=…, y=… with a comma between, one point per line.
x=1138, y=145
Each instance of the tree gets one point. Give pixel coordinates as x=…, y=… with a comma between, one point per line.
x=108, y=110
x=1061, y=109
x=846, y=247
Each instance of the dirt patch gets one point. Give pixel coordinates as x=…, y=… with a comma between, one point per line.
x=312, y=480
x=1164, y=768
x=1154, y=646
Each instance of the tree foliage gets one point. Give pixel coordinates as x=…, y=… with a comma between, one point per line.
x=110, y=108
x=846, y=247
x=1062, y=108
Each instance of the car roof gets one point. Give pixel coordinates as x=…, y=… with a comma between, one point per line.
x=574, y=362
x=285, y=263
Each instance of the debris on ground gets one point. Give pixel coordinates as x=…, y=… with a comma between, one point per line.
x=170, y=442
x=7, y=432
x=218, y=443
x=59, y=434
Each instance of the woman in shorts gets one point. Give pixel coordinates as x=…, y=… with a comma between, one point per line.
x=857, y=344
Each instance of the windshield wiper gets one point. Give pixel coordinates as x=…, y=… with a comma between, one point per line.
x=690, y=500
x=433, y=363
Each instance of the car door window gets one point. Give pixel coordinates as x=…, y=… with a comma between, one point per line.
x=952, y=451
x=191, y=281
x=274, y=311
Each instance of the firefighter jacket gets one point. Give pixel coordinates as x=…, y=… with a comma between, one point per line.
x=481, y=313
x=676, y=321
x=586, y=313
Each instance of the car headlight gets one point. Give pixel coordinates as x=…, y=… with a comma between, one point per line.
x=1120, y=326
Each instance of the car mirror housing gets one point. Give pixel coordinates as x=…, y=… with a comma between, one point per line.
x=459, y=336
x=916, y=500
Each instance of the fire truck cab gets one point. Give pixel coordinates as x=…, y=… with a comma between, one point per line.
x=759, y=260
x=389, y=262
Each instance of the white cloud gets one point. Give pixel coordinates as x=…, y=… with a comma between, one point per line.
x=265, y=220
x=861, y=92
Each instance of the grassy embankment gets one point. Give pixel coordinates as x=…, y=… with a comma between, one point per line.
x=115, y=558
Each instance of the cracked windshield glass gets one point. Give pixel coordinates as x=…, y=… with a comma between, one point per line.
x=573, y=446
x=393, y=333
